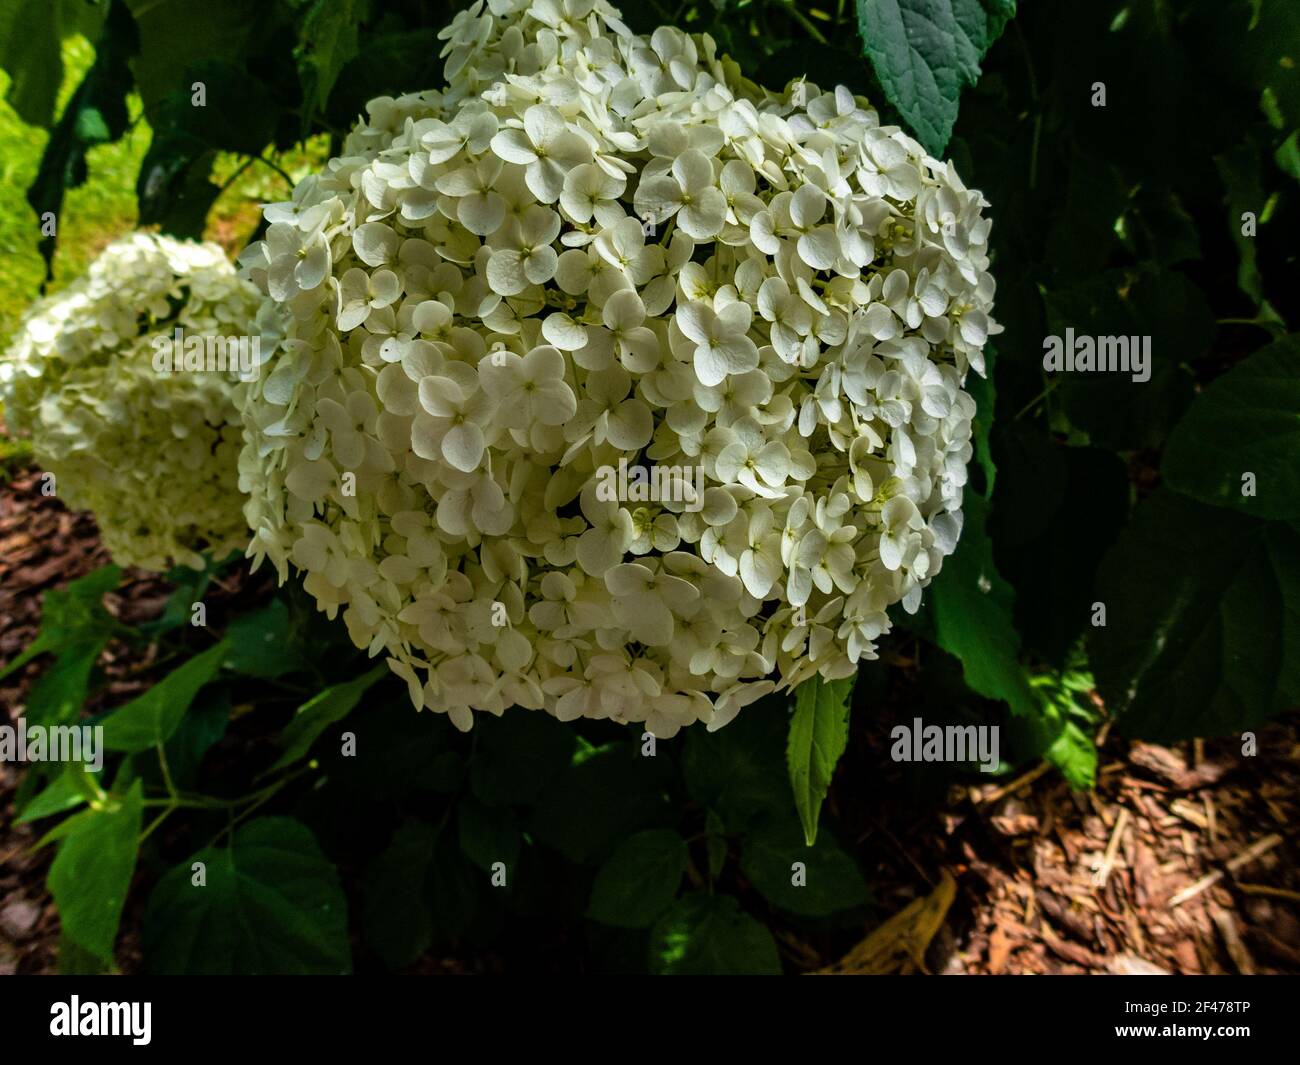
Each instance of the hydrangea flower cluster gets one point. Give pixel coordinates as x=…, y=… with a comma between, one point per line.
x=154, y=455
x=595, y=254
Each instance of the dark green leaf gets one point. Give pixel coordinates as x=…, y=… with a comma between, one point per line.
x=831, y=882
x=740, y=771
x=487, y=835
x=1202, y=633
x=972, y=617
x=328, y=41
x=639, y=880
x=517, y=754
x=96, y=114
x=926, y=51
x=319, y=712
x=92, y=873
x=272, y=904
x=395, y=917
x=1245, y=422
x=609, y=793
x=453, y=888
x=710, y=935
x=151, y=718
x=30, y=37
x=260, y=643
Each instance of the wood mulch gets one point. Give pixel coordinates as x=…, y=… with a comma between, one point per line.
x=1182, y=861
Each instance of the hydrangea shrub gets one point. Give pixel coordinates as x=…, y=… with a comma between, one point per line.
x=590, y=253
x=152, y=453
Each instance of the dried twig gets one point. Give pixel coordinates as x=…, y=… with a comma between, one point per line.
x=1112, y=848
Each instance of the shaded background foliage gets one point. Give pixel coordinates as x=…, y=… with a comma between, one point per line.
x=1120, y=219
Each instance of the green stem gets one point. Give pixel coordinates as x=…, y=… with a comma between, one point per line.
x=804, y=21
x=166, y=771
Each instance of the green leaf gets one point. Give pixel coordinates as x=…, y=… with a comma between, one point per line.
x=260, y=643
x=831, y=884
x=609, y=793
x=926, y=51
x=92, y=873
x=740, y=771
x=30, y=38
x=56, y=698
x=389, y=64
x=1247, y=421
x=271, y=904
x=819, y=732
x=452, y=889
x=328, y=40
x=1116, y=411
x=151, y=718
x=202, y=726
x=1073, y=752
x=190, y=587
x=96, y=114
x=75, y=615
x=639, y=880
x=66, y=791
x=177, y=35
x=319, y=712
x=1202, y=633
x=971, y=606
x=1057, y=512
x=487, y=835
x=716, y=842
x=395, y=919
x=517, y=754
x=710, y=935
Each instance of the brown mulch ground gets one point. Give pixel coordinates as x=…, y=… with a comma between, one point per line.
x=1182, y=861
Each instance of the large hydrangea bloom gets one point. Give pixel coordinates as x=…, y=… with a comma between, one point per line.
x=593, y=248
x=153, y=455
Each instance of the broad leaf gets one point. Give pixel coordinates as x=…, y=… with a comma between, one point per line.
x=740, y=771
x=395, y=917
x=271, y=903
x=1202, y=633
x=487, y=835
x=639, y=880
x=151, y=718
x=828, y=882
x=926, y=51
x=92, y=873
x=1246, y=422
x=610, y=792
x=96, y=114
x=710, y=935
x=328, y=39
x=516, y=755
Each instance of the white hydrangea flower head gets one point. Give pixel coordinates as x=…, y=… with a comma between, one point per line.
x=592, y=253
x=154, y=455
